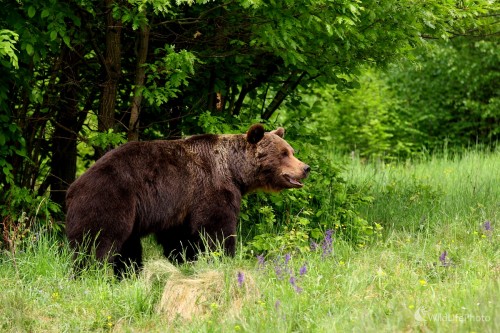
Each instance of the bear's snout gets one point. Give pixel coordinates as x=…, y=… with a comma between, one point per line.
x=307, y=170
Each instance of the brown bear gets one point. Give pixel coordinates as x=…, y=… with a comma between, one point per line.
x=178, y=190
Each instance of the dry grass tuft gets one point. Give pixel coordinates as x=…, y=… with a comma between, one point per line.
x=189, y=297
x=159, y=270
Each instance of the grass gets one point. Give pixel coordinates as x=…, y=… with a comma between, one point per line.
x=402, y=282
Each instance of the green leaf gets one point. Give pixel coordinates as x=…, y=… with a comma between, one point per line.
x=29, y=49
x=66, y=40
x=31, y=12
x=5, y=171
x=13, y=128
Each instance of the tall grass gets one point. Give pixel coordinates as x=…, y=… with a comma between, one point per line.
x=436, y=268
x=432, y=192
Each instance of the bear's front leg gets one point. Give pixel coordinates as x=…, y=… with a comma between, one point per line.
x=219, y=230
x=179, y=243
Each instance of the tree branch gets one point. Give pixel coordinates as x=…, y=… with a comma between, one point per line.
x=290, y=85
x=140, y=74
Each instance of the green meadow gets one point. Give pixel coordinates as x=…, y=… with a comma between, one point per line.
x=434, y=266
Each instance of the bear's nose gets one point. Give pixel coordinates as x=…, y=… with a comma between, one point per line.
x=307, y=169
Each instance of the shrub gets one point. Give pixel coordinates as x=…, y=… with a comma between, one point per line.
x=25, y=216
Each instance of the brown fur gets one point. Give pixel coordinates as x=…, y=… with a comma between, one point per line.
x=175, y=190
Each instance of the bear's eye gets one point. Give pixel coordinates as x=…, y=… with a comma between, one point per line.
x=284, y=153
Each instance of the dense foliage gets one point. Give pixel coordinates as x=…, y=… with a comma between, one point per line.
x=453, y=97
x=446, y=97
x=80, y=77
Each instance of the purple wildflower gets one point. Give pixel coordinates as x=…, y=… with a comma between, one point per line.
x=279, y=271
x=261, y=260
x=303, y=270
x=487, y=229
x=241, y=278
x=327, y=243
x=287, y=258
x=293, y=282
x=487, y=226
x=277, y=305
x=444, y=259
x=314, y=246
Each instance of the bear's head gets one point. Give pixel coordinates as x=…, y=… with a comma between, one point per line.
x=276, y=167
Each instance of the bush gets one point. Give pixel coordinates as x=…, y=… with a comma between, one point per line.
x=453, y=95
x=25, y=216
x=365, y=121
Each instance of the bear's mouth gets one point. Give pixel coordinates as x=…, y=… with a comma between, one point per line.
x=295, y=182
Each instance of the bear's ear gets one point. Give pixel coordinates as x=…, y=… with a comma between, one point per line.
x=280, y=131
x=255, y=133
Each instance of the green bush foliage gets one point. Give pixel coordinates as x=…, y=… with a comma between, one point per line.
x=364, y=121
x=24, y=216
x=446, y=97
x=450, y=93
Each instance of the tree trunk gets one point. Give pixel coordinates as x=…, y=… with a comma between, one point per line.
x=67, y=125
x=112, y=64
x=140, y=73
x=245, y=89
